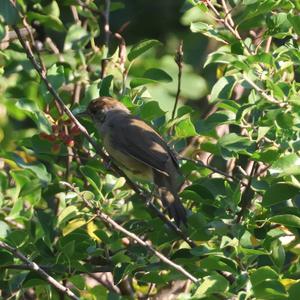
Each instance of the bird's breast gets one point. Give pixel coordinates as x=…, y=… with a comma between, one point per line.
x=132, y=167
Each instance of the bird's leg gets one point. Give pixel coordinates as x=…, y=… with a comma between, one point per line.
x=152, y=196
x=107, y=163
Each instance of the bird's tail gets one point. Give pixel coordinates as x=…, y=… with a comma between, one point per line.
x=169, y=197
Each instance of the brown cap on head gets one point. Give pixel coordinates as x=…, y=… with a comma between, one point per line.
x=105, y=104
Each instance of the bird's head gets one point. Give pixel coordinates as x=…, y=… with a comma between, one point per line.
x=100, y=107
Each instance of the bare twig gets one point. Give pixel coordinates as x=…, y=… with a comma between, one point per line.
x=247, y=194
x=228, y=14
x=105, y=218
x=35, y=267
x=264, y=94
x=213, y=169
x=11, y=36
x=122, y=51
x=106, y=22
x=76, y=93
x=103, y=280
x=91, y=9
x=179, y=62
x=229, y=23
x=268, y=44
x=47, y=268
x=75, y=14
x=122, y=59
x=105, y=36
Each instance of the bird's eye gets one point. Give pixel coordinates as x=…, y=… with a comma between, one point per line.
x=93, y=111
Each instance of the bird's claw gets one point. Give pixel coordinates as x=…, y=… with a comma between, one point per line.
x=107, y=163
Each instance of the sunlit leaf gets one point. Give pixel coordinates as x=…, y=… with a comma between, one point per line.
x=279, y=192
x=141, y=47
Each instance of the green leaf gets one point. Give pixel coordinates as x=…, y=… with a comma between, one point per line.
x=4, y=230
x=46, y=221
x=76, y=37
x=268, y=155
x=210, y=31
x=234, y=142
x=150, y=111
x=49, y=21
x=141, y=47
x=277, y=253
x=218, y=263
x=52, y=9
x=279, y=192
x=295, y=21
x=223, y=89
x=114, y=6
x=105, y=85
x=258, y=8
x=262, y=274
x=56, y=76
x=66, y=214
x=6, y=258
x=212, y=284
x=38, y=168
x=8, y=12
x=220, y=58
x=286, y=220
x=278, y=24
x=151, y=76
x=35, y=114
x=284, y=120
x=3, y=181
x=265, y=58
x=286, y=165
x=2, y=33
x=294, y=291
x=73, y=225
x=141, y=81
x=92, y=176
x=270, y=290
x=185, y=128
x=157, y=75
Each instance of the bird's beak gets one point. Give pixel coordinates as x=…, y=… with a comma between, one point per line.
x=82, y=114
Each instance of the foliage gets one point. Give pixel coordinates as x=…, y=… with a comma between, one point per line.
x=243, y=208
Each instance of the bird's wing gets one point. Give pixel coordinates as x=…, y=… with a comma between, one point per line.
x=140, y=141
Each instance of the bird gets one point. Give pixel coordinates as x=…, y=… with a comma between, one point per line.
x=139, y=151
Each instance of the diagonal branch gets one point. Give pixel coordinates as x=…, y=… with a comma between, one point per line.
x=35, y=267
x=264, y=94
x=179, y=61
x=228, y=23
x=105, y=218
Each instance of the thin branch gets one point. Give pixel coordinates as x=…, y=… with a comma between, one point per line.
x=47, y=268
x=215, y=170
x=106, y=22
x=75, y=14
x=105, y=36
x=145, y=196
x=109, y=285
x=33, y=43
x=229, y=23
x=105, y=218
x=122, y=59
x=228, y=14
x=268, y=44
x=91, y=9
x=179, y=62
x=264, y=94
x=247, y=195
x=35, y=267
